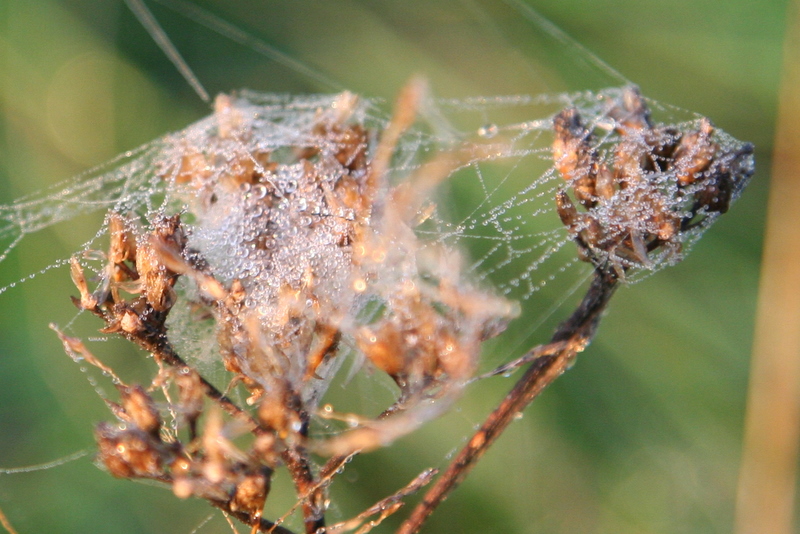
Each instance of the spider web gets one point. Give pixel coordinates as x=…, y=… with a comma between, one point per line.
x=505, y=221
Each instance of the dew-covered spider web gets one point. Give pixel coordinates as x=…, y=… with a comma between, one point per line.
x=511, y=200
x=504, y=221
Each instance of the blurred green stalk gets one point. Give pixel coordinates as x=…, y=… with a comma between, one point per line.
x=765, y=500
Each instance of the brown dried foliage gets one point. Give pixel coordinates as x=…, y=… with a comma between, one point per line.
x=427, y=338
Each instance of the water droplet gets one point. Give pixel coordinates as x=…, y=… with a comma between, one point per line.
x=259, y=191
x=488, y=131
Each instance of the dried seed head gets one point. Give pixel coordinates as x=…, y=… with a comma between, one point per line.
x=156, y=279
x=183, y=488
x=663, y=182
x=190, y=395
x=695, y=153
x=141, y=408
x=129, y=322
x=383, y=348
x=129, y=453
x=251, y=492
x=123, y=242
x=87, y=300
x=574, y=155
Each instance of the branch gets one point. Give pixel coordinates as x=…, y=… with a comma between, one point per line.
x=385, y=507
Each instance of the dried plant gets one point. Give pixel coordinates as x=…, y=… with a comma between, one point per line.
x=302, y=250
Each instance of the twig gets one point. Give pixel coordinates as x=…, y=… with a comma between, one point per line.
x=263, y=525
x=385, y=507
x=575, y=334
x=308, y=488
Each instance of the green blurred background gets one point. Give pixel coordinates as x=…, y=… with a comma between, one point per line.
x=642, y=435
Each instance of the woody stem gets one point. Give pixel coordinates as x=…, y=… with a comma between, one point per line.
x=572, y=336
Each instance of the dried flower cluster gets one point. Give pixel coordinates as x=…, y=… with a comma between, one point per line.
x=293, y=252
x=299, y=245
x=662, y=183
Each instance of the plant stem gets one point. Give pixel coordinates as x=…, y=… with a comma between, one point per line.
x=572, y=336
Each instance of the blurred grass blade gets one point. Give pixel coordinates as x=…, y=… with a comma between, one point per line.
x=160, y=37
x=767, y=478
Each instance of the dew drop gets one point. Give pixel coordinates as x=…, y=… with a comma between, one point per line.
x=360, y=285
x=259, y=191
x=487, y=131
